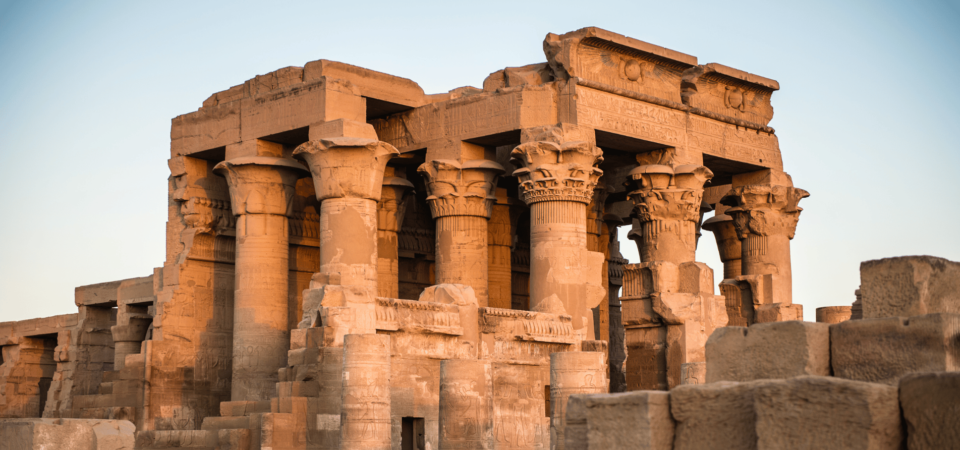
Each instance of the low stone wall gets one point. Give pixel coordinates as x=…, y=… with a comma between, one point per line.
x=809, y=412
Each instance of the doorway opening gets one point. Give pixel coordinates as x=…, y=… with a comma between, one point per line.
x=412, y=434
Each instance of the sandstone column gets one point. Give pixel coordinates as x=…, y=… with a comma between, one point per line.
x=500, y=233
x=390, y=211
x=598, y=240
x=765, y=218
x=461, y=197
x=365, y=411
x=261, y=194
x=728, y=243
x=557, y=182
x=348, y=176
x=572, y=373
x=466, y=410
x=669, y=306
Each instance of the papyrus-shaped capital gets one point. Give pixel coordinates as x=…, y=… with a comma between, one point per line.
x=261, y=184
x=455, y=189
x=557, y=172
x=346, y=167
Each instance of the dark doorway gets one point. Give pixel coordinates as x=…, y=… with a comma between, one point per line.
x=412, y=434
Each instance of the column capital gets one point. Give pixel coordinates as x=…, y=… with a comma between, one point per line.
x=392, y=205
x=764, y=209
x=346, y=167
x=456, y=189
x=557, y=172
x=667, y=192
x=261, y=184
x=667, y=204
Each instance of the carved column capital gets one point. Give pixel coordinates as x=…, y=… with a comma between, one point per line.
x=667, y=204
x=455, y=189
x=346, y=167
x=261, y=184
x=764, y=210
x=557, y=172
x=392, y=205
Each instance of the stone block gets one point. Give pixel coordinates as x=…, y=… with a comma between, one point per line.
x=931, y=408
x=909, y=286
x=884, y=350
x=768, y=350
x=66, y=434
x=619, y=421
x=717, y=415
x=186, y=439
x=827, y=413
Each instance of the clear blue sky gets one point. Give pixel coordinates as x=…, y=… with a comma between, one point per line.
x=867, y=117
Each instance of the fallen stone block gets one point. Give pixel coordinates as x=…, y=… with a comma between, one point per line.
x=884, y=350
x=909, y=286
x=827, y=413
x=931, y=409
x=639, y=419
x=66, y=434
x=716, y=415
x=768, y=351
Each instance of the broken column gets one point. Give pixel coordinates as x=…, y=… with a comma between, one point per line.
x=348, y=175
x=261, y=194
x=461, y=198
x=466, y=410
x=127, y=340
x=764, y=209
x=669, y=306
x=365, y=411
x=390, y=211
x=557, y=182
x=572, y=373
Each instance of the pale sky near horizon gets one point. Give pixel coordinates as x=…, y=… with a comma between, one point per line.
x=867, y=115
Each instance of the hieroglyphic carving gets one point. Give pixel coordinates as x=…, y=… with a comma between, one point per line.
x=609, y=112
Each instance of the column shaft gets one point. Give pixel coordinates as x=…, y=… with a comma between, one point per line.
x=388, y=264
x=260, y=335
x=558, y=233
x=462, y=253
x=365, y=412
x=499, y=267
x=466, y=410
x=572, y=373
x=348, y=240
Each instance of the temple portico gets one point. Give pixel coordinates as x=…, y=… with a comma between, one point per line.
x=319, y=294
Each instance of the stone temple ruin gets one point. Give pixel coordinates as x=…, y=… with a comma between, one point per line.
x=354, y=264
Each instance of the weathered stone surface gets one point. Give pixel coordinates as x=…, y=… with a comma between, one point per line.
x=909, y=286
x=66, y=434
x=827, y=413
x=834, y=314
x=884, y=350
x=931, y=409
x=717, y=415
x=768, y=350
x=619, y=421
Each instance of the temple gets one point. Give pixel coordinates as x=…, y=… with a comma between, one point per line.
x=354, y=264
